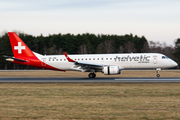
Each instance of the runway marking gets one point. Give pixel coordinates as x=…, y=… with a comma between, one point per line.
x=147, y=79
x=87, y=80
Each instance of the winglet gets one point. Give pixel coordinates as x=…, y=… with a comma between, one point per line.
x=67, y=57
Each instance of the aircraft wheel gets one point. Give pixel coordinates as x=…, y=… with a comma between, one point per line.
x=158, y=75
x=157, y=71
x=92, y=75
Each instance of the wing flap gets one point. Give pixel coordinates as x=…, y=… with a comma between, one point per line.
x=88, y=64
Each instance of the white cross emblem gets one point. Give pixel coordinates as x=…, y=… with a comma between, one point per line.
x=19, y=48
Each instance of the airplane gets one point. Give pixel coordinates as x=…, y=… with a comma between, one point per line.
x=108, y=64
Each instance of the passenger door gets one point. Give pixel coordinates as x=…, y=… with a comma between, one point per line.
x=43, y=62
x=155, y=59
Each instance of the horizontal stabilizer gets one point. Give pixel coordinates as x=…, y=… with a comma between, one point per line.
x=9, y=58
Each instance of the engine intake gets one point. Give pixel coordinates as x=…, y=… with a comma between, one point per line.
x=111, y=70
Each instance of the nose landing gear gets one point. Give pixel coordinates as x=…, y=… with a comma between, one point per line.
x=92, y=75
x=157, y=72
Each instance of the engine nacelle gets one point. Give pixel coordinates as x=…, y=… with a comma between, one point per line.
x=111, y=70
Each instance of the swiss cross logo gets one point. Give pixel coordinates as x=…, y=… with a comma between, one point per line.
x=19, y=48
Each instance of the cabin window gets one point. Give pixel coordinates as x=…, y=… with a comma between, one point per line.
x=64, y=59
x=81, y=59
x=60, y=59
x=86, y=58
x=97, y=58
x=106, y=58
x=93, y=58
x=110, y=58
x=89, y=58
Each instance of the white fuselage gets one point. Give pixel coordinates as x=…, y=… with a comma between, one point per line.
x=124, y=61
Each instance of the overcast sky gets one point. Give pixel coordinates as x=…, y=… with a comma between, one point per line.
x=157, y=20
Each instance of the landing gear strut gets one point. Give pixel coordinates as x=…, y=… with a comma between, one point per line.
x=92, y=75
x=157, y=72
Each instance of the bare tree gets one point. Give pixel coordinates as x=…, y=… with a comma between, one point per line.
x=100, y=48
x=82, y=49
x=45, y=50
x=168, y=51
x=145, y=48
x=109, y=47
x=59, y=51
x=52, y=50
x=130, y=47
x=157, y=47
x=121, y=49
x=105, y=47
x=152, y=44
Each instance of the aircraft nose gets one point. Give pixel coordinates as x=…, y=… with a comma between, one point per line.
x=174, y=64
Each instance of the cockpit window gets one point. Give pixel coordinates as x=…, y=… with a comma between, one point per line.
x=165, y=57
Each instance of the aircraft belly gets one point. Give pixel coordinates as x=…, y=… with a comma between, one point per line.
x=61, y=65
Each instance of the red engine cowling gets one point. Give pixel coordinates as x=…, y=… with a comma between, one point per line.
x=111, y=70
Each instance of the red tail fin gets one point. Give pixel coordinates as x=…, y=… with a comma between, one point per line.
x=23, y=55
x=19, y=48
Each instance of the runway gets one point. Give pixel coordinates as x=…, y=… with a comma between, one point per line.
x=87, y=80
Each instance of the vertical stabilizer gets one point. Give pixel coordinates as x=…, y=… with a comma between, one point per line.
x=19, y=48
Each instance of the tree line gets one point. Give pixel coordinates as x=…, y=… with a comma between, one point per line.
x=83, y=44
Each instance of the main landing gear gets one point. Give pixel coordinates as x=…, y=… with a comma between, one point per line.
x=92, y=75
x=157, y=72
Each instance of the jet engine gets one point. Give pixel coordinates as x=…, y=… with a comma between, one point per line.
x=111, y=70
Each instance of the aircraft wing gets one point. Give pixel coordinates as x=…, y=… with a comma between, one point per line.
x=84, y=65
